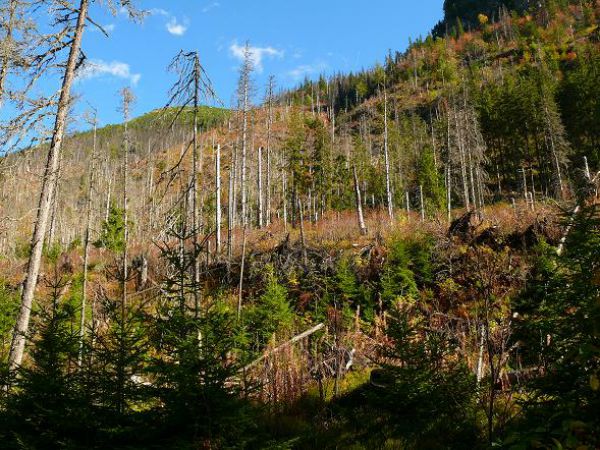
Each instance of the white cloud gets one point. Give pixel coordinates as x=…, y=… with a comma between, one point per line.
x=305, y=70
x=172, y=25
x=97, y=68
x=176, y=28
x=210, y=6
x=257, y=54
x=158, y=12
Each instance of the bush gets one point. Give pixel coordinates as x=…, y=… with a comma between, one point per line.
x=112, y=233
x=271, y=312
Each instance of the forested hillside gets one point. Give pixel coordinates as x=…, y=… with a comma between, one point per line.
x=403, y=257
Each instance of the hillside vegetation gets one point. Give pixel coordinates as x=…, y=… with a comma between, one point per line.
x=405, y=257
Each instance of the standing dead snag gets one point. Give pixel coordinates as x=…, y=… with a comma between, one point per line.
x=260, y=189
x=359, y=211
x=50, y=174
x=231, y=207
x=422, y=203
x=127, y=100
x=244, y=100
x=302, y=232
x=192, y=84
x=242, y=267
x=86, y=239
x=270, y=90
x=218, y=199
x=71, y=21
x=194, y=184
x=388, y=186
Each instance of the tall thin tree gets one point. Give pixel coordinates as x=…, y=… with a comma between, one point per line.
x=388, y=185
x=50, y=174
x=244, y=93
x=71, y=21
x=93, y=120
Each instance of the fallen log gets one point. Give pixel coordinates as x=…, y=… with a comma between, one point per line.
x=295, y=339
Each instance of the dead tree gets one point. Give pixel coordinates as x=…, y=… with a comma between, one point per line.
x=388, y=187
x=218, y=199
x=50, y=174
x=270, y=95
x=260, y=189
x=192, y=85
x=86, y=238
x=127, y=100
x=244, y=93
x=71, y=20
x=359, y=211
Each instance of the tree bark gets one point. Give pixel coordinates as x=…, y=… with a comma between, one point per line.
x=260, y=189
x=269, y=132
x=218, y=200
x=388, y=187
x=449, y=192
x=242, y=267
x=50, y=174
x=359, y=211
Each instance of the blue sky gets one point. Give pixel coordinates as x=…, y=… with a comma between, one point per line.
x=291, y=40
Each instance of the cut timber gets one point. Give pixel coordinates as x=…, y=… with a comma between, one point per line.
x=295, y=339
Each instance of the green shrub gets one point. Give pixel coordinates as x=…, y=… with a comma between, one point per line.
x=271, y=313
x=112, y=233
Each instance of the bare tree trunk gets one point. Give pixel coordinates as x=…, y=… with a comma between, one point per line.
x=22, y=325
x=53, y=210
x=463, y=163
x=472, y=181
x=480, y=358
x=269, y=132
x=245, y=92
x=359, y=211
x=218, y=199
x=127, y=100
x=260, y=189
x=86, y=247
x=388, y=185
x=231, y=208
x=449, y=192
x=587, y=172
x=107, y=208
x=525, y=196
x=302, y=234
x=284, y=197
x=195, y=169
x=332, y=124
x=555, y=156
x=241, y=286
x=422, y=203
